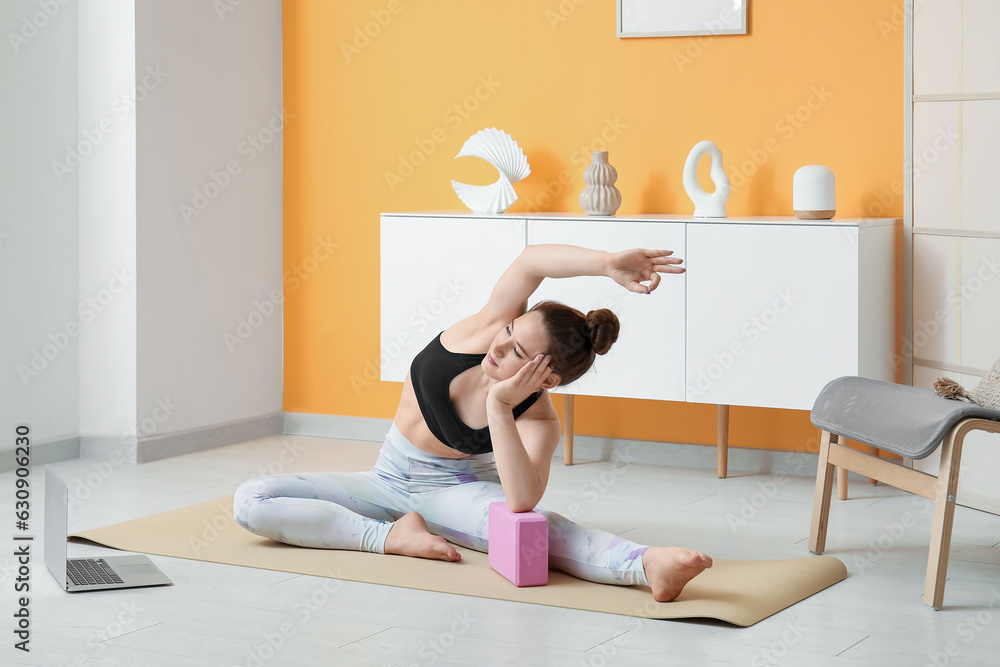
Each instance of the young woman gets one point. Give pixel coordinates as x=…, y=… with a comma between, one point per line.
x=475, y=425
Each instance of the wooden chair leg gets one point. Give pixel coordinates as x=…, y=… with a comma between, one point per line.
x=722, y=439
x=944, y=515
x=821, y=499
x=568, y=406
x=874, y=451
x=842, y=473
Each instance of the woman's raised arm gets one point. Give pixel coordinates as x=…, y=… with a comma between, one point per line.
x=628, y=268
x=509, y=298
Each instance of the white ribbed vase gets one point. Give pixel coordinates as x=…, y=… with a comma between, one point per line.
x=600, y=197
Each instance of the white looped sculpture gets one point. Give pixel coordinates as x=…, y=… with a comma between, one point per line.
x=707, y=205
x=499, y=149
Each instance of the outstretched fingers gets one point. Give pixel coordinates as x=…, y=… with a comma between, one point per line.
x=634, y=267
x=663, y=262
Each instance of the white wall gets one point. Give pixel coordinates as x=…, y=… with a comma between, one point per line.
x=100, y=271
x=203, y=269
x=38, y=224
x=107, y=220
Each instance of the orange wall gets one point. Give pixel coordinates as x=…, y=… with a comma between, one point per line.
x=553, y=74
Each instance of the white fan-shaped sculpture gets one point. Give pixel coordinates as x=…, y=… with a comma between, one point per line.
x=500, y=150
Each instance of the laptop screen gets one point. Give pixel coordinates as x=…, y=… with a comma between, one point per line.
x=56, y=522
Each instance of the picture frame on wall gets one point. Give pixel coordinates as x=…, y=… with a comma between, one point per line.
x=675, y=18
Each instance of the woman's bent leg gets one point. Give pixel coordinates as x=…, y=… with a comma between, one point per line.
x=460, y=513
x=351, y=511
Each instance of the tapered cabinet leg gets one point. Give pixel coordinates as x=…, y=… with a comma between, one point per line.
x=821, y=497
x=568, y=405
x=722, y=438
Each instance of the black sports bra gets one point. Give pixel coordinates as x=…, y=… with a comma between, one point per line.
x=431, y=374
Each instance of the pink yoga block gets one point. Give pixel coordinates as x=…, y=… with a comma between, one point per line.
x=519, y=545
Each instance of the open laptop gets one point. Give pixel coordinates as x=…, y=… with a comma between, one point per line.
x=87, y=574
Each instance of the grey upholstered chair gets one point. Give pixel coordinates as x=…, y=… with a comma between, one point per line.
x=911, y=422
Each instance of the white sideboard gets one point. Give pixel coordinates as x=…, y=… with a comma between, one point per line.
x=768, y=311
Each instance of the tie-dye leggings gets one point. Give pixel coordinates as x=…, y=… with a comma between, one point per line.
x=355, y=510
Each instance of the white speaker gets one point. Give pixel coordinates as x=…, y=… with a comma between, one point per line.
x=814, y=193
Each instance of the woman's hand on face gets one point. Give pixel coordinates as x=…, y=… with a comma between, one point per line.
x=629, y=267
x=524, y=383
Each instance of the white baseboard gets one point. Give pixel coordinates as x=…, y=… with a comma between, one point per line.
x=742, y=460
x=100, y=448
x=154, y=448
x=43, y=452
x=337, y=426
x=164, y=446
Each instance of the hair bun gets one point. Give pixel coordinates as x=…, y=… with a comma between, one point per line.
x=602, y=327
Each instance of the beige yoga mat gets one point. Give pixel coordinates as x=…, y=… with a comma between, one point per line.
x=739, y=592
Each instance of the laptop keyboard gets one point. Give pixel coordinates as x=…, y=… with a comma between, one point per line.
x=91, y=572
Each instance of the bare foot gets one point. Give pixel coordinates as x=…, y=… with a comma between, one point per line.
x=409, y=537
x=668, y=569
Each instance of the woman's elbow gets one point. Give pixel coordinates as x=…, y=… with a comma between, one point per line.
x=519, y=509
x=522, y=504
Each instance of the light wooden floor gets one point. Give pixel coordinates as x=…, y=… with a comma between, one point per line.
x=656, y=493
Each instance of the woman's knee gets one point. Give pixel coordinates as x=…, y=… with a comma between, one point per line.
x=251, y=492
